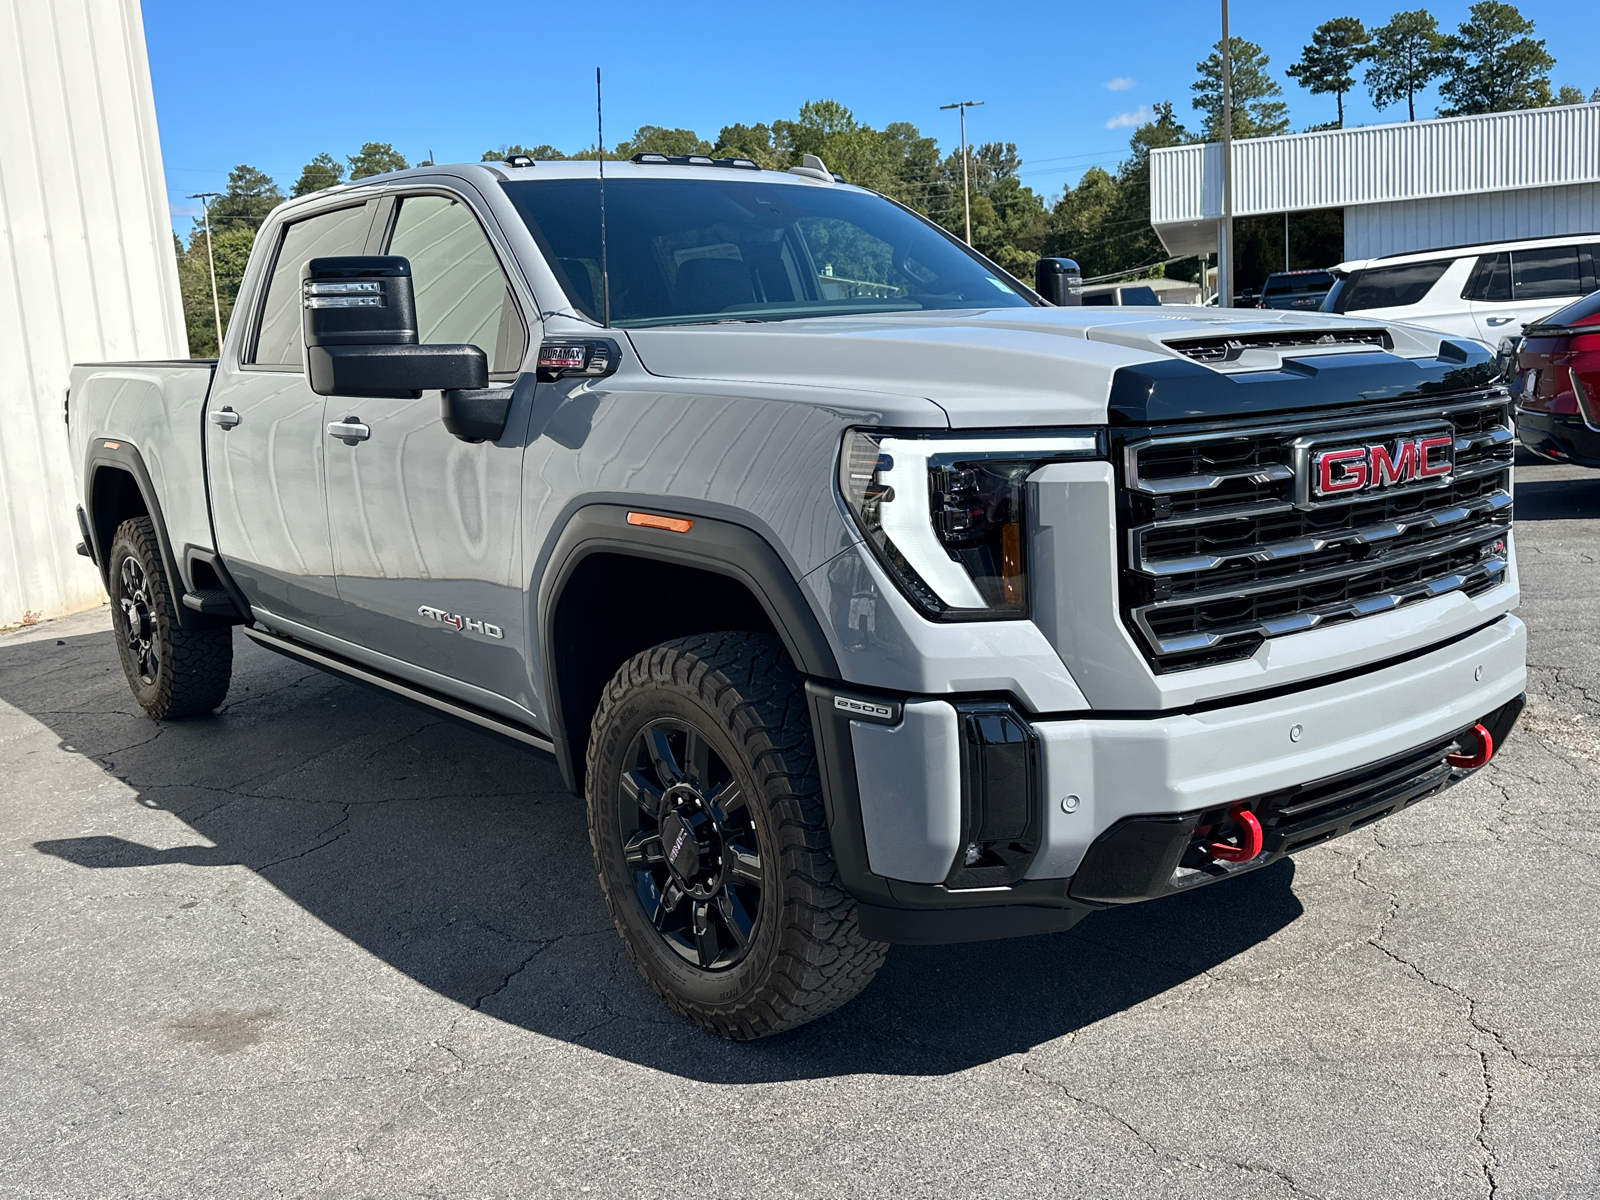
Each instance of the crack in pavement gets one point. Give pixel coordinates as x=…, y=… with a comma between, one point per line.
x=1034, y=1075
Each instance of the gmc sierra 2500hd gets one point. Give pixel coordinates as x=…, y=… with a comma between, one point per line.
x=865, y=596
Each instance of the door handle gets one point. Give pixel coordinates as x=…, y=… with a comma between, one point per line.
x=225, y=417
x=349, y=431
x=1501, y=320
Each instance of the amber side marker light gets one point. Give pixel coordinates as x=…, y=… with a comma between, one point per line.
x=113, y=445
x=657, y=521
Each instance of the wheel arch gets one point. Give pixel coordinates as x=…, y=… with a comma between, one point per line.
x=715, y=575
x=118, y=487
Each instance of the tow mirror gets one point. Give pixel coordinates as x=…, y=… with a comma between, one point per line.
x=1059, y=281
x=361, y=333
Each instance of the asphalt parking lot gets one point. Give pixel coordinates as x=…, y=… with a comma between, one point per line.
x=324, y=945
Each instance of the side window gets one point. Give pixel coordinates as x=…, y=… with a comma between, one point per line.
x=1391, y=287
x=1491, y=279
x=1548, y=272
x=462, y=295
x=343, y=231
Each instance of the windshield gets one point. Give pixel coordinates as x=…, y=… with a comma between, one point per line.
x=691, y=250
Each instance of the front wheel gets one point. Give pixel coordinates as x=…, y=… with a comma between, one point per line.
x=173, y=671
x=706, y=817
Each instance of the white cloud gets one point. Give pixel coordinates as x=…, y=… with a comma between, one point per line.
x=1121, y=84
x=183, y=210
x=1142, y=115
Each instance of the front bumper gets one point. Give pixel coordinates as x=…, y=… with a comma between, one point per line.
x=1116, y=800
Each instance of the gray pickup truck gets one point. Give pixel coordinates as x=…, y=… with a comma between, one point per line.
x=865, y=596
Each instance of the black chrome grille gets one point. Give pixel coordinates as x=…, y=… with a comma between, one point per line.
x=1221, y=550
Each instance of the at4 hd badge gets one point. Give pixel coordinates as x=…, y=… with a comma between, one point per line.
x=459, y=622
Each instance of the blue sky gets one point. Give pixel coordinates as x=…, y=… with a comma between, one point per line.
x=274, y=84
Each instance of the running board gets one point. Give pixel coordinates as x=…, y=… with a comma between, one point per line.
x=488, y=722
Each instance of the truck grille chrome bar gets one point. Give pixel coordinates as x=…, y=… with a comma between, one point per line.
x=1218, y=556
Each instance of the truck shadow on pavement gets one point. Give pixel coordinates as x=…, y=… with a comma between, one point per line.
x=465, y=865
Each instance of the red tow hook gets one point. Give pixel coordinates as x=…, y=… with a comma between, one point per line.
x=1249, y=838
x=1484, y=752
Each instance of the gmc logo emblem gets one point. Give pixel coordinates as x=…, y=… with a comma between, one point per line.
x=1357, y=468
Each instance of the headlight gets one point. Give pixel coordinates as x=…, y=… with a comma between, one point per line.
x=946, y=512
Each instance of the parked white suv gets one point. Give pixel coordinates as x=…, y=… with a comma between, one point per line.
x=1485, y=291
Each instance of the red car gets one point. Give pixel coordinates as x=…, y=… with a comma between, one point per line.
x=1557, y=384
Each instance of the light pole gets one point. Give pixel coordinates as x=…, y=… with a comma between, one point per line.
x=966, y=184
x=1226, y=282
x=216, y=309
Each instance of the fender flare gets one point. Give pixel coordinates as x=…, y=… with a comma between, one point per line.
x=126, y=457
x=710, y=544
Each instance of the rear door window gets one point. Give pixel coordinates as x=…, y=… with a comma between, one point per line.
x=1391, y=287
x=1491, y=279
x=461, y=293
x=1546, y=273
x=342, y=231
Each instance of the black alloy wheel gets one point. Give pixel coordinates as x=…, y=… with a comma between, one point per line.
x=711, y=839
x=692, y=849
x=138, y=625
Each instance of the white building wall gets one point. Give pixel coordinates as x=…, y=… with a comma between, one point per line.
x=87, y=271
x=1374, y=229
x=1533, y=148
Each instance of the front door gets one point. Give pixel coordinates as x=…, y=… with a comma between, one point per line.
x=265, y=440
x=424, y=525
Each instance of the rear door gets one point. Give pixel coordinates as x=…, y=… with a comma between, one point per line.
x=265, y=439
x=424, y=525
x=1528, y=285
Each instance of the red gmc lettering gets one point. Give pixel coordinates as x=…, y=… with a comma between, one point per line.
x=1354, y=478
x=1426, y=467
x=1396, y=469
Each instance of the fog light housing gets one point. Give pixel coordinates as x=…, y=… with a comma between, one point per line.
x=1001, y=805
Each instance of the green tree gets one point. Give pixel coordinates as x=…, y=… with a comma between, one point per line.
x=231, y=246
x=748, y=141
x=1407, y=55
x=251, y=195
x=1493, y=65
x=1104, y=223
x=323, y=171
x=654, y=139
x=1569, y=95
x=1256, y=113
x=1328, y=63
x=540, y=153
x=376, y=158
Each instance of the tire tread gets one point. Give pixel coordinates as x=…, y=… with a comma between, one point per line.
x=822, y=959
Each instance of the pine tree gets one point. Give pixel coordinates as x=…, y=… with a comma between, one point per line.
x=1407, y=55
x=1328, y=63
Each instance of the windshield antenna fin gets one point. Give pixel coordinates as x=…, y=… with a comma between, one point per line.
x=605, y=271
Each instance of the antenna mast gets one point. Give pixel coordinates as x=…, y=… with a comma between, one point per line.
x=605, y=271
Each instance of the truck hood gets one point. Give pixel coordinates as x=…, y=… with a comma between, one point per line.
x=1009, y=366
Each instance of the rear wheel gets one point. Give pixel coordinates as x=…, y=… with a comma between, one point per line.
x=706, y=817
x=173, y=671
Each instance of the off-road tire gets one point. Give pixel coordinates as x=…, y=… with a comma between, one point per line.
x=173, y=671
x=805, y=954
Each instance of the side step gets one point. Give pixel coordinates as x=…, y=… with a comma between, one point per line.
x=411, y=693
x=213, y=602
